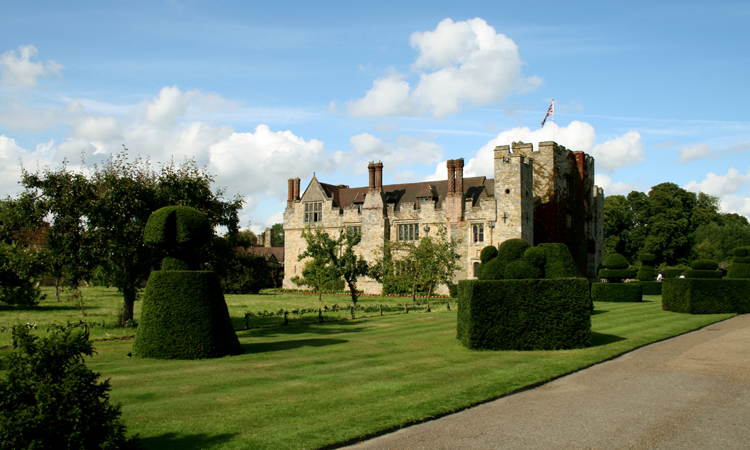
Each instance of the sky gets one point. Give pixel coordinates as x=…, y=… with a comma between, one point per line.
x=260, y=92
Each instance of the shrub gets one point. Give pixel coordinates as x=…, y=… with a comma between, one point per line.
x=559, y=262
x=524, y=314
x=692, y=273
x=19, y=269
x=52, y=400
x=520, y=270
x=536, y=257
x=740, y=267
x=617, y=275
x=453, y=290
x=646, y=271
x=704, y=264
x=701, y=296
x=615, y=261
x=492, y=270
x=674, y=272
x=488, y=253
x=246, y=274
x=178, y=230
x=617, y=292
x=649, y=287
x=647, y=258
x=512, y=249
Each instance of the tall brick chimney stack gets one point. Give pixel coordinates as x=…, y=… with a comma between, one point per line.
x=450, y=164
x=459, y=175
x=290, y=191
x=371, y=170
x=296, y=188
x=379, y=176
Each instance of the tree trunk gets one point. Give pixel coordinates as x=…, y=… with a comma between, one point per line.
x=414, y=291
x=128, y=294
x=429, y=292
x=57, y=288
x=353, y=291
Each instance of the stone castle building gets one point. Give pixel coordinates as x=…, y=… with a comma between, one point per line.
x=542, y=195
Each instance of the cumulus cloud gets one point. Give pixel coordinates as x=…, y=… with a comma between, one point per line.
x=18, y=70
x=459, y=63
x=11, y=157
x=728, y=188
x=609, y=156
x=705, y=151
x=617, y=187
x=404, y=151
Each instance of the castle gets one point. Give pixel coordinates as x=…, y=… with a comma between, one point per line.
x=542, y=195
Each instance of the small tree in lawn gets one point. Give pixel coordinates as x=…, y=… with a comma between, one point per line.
x=316, y=275
x=336, y=255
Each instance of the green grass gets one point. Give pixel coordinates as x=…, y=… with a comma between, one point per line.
x=307, y=386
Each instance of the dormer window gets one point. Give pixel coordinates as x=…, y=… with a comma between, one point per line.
x=313, y=212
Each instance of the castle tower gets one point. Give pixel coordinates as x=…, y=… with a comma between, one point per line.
x=514, y=193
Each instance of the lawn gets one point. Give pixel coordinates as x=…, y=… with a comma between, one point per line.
x=308, y=386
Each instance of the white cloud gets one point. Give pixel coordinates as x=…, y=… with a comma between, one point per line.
x=726, y=187
x=701, y=151
x=616, y=188
x=17, y=69
x=404, y=151
x=610, y=155
x=98, y=129
x=12, y=156
x=459, y=63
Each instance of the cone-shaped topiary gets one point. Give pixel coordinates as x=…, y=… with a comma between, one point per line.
x=740, y=267
x=616, y=269
x=184, y=314
x=646, y=272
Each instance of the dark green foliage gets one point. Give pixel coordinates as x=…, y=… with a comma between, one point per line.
x=693, y=273
x=740, y=267
x=704, y=264
x=185, y=316
x=559, y=262
x=649, y=287
x=247, y=274
x=617, y=276
x=646, y=272
x=453, y=290
x=674, y=272
x=616, y=292
x=512, y=249
x=175, y=227
x=488, y=253
x=615, y=261
x=646, y=258
x=19, y=270
x=701, y=296
x=741, y=259
x=524, y=314
x=536, y=257
x=741, y=251
x=717, y=240
x=521, y=270
x=51, y=400
x=492, y=270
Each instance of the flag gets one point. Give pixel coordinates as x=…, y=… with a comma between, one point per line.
x=551, y=110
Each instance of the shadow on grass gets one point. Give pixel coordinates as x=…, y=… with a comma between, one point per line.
x=599, y=339
x=325, y=328
x=598, y=311
x=40, y=308
x=185, y=442
x=289, y=345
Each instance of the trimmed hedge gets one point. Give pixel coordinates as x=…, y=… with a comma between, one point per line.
x=559, y=262
x=649, y=287
x=617, y=273
x=184, y=316
x=701, y=296
x=692, y=273
x=674, y=272
x=740, y=267
x=617, y=292
x=488, y=253
x=646, y=271
x=615, y=261
x=536, y=257
x=704, y=264
x=538, y=314
x=521, y=270
x=646, y=258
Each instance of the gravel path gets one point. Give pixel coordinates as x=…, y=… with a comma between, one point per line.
x=688, y=392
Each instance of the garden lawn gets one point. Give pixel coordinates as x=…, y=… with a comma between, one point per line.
x=308, y=386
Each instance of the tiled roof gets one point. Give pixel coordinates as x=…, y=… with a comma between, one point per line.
x=267, y=252
x=474, y=187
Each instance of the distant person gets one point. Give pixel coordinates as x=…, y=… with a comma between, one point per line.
x=659, y=277
x=682, y=275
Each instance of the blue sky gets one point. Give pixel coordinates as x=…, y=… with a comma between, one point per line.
x=259, y=93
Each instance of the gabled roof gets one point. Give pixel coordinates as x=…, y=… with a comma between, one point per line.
x=474, y=188
x=271, y=254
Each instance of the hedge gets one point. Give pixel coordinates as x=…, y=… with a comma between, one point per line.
x=488, y=253
x=184, y=316
x=704, y=264
x=617, y=273
x=615, y=261
x=674, y=272
x=649, y=287
x=559, y=262
x=740, y=267
x=646, y=271
x=617, y=292
x=692, y=273
x=539, y=314
x=702, y=296
x=646, y=258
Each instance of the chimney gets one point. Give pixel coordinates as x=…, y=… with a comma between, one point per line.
x=459, y=175
x=296, y=188
x=290, y=191
x=371, y=170
x=379, y=175
x=267, y=238
x=450, y=164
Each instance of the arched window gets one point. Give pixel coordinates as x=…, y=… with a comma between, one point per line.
x=476, y=265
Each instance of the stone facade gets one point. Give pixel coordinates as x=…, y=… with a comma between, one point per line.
x=543, y=195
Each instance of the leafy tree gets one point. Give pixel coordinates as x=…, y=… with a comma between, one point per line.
x=98, y=218
x=21, y=255
x=277, y=235
x=336, y=255
x=50, y=399
x=716, y=241
x=316, y=276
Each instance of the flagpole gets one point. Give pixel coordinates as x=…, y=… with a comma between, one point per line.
x=553, y=120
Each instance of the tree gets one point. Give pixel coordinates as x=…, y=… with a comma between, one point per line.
x=21, y=256
x=98, y=218
x=317, y=276
x=717, y=240
x=336, y=255
x=277, y=235
x=50, y=399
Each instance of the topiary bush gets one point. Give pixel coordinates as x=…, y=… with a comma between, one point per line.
x=646, y=272
x=524, y=314
x=740, y=267
x=558, y=261
x=615, y=261
x=509, y=251
x=488, y=253
x=51, y=400
x=704, y=264
x=674, y=272
x=649, y=287
x=616, y=269
x=184, y=315
x=704, y=268
x=617, y=292
x=702, y=296
x=521, y=270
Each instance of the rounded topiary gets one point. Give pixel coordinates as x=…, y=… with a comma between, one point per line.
x=488, y=253
x=512, y=249
x=491, y=270
x=646, y=272
x=704, y=264
x=646, y=258
x=615, y=261
x=535, y=256
x=184, y=315
x=740, y=267
x=521, y=270
x=559, y=261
